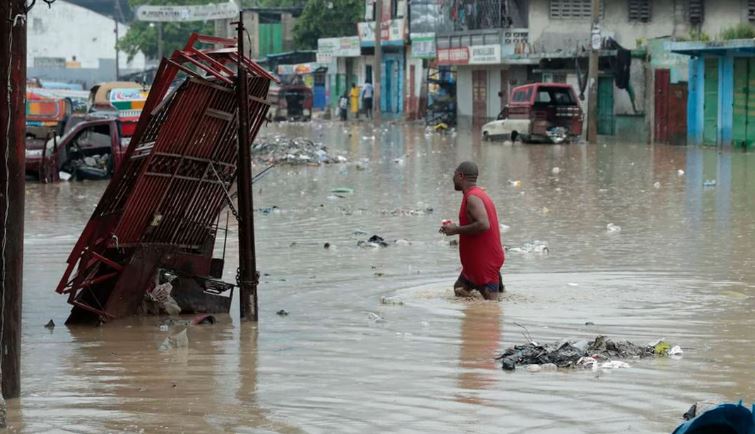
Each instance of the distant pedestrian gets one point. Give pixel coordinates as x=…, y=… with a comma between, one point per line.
x=343, y=106
x=354, y=94
x=480, y=246
x=367, y=92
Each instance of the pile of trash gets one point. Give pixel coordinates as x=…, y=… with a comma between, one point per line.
x=279, y=149
x=530, y=247
x=600, y=353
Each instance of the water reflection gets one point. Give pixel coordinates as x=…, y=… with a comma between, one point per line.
x=481, y=331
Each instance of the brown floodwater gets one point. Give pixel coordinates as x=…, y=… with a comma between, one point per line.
x=681, y=268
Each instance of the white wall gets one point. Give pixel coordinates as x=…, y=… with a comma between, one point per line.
x=66, y=30
x=464, y=92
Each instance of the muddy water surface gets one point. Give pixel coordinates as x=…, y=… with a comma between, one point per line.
x=682, y=267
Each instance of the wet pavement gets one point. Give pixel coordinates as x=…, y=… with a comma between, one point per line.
x=681, y=267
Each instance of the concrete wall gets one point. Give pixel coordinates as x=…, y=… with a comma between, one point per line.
x=66, y=30
x=668, y=20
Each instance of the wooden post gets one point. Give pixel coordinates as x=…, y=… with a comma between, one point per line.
x=378, y=62
x=12, y=154
x=592, y=75
x=247, y=258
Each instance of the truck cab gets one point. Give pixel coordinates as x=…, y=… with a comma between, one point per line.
x=91, y=148
x=538, y=112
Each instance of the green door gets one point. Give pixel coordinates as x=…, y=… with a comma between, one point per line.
x=270, y=38
x=605, y=106
x=741, y=80
x=750, y=140
x=710, y=105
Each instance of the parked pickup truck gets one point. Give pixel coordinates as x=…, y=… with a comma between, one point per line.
x=538, y=112
x=91, y=148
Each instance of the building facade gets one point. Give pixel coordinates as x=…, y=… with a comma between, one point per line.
x=85, y=54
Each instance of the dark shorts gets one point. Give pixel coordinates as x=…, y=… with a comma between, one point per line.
x=490, y=287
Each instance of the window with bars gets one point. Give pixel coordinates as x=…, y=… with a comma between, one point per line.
x=570, y=9
x=696, y=11
x=751, y=10
x=640, y=10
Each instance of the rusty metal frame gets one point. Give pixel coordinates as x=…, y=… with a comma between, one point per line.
x=174, y=179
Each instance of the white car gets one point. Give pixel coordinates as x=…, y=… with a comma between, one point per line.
x=506, y=129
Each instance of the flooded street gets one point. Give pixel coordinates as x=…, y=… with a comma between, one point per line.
x=682, y=267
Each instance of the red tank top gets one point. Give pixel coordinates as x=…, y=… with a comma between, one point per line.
x=481, y=254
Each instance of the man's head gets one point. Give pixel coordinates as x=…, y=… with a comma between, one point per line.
x=465, y=175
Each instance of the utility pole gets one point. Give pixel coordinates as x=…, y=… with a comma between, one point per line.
x=159, y=42
x=378, y=62
x=592, y=74
x=117, y=54
x=12, y=154
x=247, y=258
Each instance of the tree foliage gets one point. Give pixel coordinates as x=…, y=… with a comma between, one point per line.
x=327, y=18
x=143, y=37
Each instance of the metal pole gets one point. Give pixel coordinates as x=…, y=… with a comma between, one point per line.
x=117, y=54
x=12, y=127
x=592, y=74
x=378, y=62
x=159, y=42
x=247, y=259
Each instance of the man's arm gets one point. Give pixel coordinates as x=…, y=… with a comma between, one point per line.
x=477, y=214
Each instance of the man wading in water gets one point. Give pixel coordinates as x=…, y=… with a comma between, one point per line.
x=479, y=237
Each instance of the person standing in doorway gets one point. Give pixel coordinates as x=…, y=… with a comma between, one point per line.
x=366, y=97
x=480, y=246
x=354, y=95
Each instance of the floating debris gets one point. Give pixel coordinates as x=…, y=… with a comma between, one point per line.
x=374, y=241
x=284, y=150
x=282, y=312
x=536, y=246
x=394, y=301
x=50, y=325
x=407, y=212
x=556, y=170
x=680, y=172
x=598, y=354
x=709, y=183
x=612, y=228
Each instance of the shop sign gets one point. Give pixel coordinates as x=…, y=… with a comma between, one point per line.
x=484, y=54
x=423, y=45
x=181, y=14
x=391, y=32
x=453, y=56
x=339, y=47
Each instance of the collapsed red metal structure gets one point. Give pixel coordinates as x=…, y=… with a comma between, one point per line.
x=160, y=210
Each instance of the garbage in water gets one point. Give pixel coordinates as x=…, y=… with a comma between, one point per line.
x=516, y=183
x=374, y=317
x=504, y=228
x=536, y=247
x=203, y=319
x=657, y=184
x=64, y=176
x=342, y=190
x=706, y=417
x=282, y=312
x=407, y=212
x=178, y=340
x=294, y=151
x=394, y=301
x=402, y=243
x=50, y=324
x=680, y=172
x=374, y=241
x=601, y=353
x=709, y=183
x=556, y=170
x=161, y=295
x=326, y=246
x=612, y=228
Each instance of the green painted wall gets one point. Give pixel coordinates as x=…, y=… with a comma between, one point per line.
x=710, y=105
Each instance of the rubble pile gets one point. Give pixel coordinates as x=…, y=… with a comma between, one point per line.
x=280, y=149
x=599, y=353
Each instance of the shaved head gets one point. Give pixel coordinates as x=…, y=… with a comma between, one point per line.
x=465, y=174
x=468, y=169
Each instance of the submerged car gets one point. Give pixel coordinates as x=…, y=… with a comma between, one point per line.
x=538, y=112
